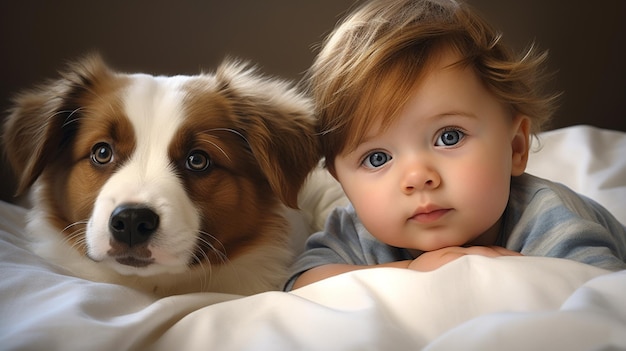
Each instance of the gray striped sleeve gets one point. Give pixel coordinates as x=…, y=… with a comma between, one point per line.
x=549, y=219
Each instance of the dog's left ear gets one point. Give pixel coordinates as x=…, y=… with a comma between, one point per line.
x=43, y=119
x=277, y=121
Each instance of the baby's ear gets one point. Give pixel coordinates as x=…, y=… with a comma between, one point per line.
x=277, y=122
x=520, y=144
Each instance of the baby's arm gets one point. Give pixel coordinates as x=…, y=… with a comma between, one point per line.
x=432, y=260
x=427, y=261
x=329, y=270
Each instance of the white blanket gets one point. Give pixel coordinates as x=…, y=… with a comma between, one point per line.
x=474, y=303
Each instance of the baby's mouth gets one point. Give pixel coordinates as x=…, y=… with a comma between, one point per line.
x=430, y=216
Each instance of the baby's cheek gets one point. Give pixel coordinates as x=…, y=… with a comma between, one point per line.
x=488, y=193
x=375, y=218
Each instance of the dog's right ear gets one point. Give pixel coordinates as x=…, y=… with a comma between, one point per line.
x=43, y=119
x=277, y=122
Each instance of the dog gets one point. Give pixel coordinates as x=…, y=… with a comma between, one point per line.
x=166, y=184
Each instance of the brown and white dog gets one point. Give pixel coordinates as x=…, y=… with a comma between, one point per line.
x=166, y=184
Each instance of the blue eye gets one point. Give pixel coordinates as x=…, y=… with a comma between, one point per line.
x=449, y=137
x=376, y=159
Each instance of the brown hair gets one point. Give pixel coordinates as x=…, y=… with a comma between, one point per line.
x=371, y=61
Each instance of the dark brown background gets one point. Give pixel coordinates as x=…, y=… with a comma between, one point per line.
x=586, y=42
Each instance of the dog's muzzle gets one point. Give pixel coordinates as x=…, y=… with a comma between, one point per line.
x=132, y=225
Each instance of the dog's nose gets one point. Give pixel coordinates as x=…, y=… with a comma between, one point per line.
x=133, y=224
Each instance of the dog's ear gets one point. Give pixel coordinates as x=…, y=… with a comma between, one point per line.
x=277, y=122
x=43, y=119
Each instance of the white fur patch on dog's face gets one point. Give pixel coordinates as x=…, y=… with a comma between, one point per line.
x=154, y=108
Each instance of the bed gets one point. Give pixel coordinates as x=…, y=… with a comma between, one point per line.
x=473, y=303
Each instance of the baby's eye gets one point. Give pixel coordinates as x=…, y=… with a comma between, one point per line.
x=449, y=137
x=376, y=159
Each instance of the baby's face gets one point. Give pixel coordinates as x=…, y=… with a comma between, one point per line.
x=440, y=174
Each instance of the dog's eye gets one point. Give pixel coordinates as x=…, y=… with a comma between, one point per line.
x=101, y=153
x=198, y=161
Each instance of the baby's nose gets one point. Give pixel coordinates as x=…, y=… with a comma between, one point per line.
x=419, y=178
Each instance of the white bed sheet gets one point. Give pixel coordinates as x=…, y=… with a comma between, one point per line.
x=474, y=303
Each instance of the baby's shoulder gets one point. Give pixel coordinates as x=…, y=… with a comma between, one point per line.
x=527, y=188
x=539, y=197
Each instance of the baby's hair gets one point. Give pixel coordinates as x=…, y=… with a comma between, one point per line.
x=370, y=63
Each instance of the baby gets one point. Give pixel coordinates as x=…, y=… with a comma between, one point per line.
x=426, y=120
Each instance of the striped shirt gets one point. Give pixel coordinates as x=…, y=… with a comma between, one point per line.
x=542, y=218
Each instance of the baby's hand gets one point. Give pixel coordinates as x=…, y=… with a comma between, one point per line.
x=432, y=260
